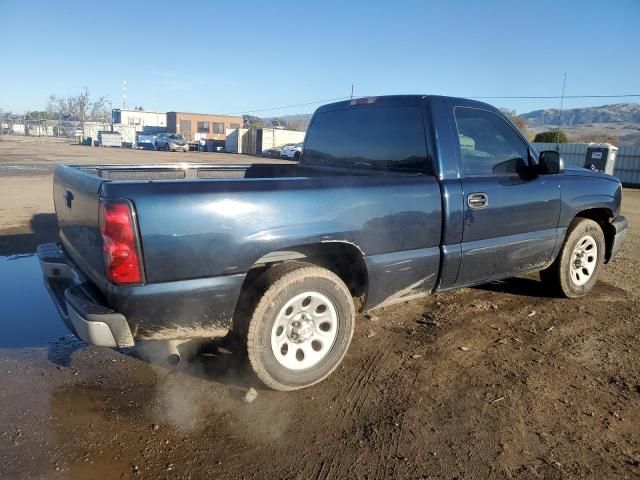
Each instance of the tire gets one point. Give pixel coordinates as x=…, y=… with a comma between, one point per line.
x=167, y=147
x=567, y=278
x=301, y=326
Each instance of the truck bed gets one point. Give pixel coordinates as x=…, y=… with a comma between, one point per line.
x=207, y=171
x=202, y=225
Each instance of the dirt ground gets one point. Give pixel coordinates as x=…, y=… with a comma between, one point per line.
x=499, y=381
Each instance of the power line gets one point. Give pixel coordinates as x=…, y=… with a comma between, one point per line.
x=508, y=97
x=551, y=97
x=315, y=102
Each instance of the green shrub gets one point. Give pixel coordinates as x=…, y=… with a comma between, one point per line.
x=551, y=137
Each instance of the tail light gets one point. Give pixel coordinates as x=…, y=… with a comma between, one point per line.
x=120, y=247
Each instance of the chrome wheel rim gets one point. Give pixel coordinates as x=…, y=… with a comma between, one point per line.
x=304, y=331
x=583, y=260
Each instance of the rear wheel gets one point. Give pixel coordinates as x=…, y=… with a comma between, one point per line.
x=577, y=268
x=301, y=327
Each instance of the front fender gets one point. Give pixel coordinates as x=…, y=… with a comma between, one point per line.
x=573, y=206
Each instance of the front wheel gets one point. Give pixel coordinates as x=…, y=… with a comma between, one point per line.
x=577, y=268
x=301, y=327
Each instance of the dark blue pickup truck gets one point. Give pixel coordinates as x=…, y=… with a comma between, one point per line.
x=393, y=198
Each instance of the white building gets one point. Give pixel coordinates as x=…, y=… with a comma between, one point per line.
x=140, y=119
x=254, y=141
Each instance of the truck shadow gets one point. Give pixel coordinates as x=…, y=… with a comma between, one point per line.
x=211, y=361
x=531, y=286
x=61, y=352
x=221, y=360
x=225, y=362
x=521, y=286
x=43, y=228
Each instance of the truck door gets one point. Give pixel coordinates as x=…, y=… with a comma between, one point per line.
x=510, y=215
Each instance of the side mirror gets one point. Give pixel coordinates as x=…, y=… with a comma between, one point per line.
x=550, y=163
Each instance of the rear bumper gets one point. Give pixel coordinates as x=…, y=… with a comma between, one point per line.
x=183, y=309
x=79, y=304
x=620, y=226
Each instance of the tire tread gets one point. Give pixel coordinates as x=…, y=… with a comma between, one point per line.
x=554, y=277
x=266, y=288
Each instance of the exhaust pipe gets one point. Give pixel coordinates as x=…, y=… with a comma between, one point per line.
x=173, y=359
x=167, y=353
x=173, y=354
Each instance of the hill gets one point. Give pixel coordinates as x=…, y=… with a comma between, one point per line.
x=620, y=120
x=294, y=122
x=616, y=113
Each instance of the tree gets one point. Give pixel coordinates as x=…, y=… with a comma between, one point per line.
x=298, y=123
x=553, y=136
x=80, y=106
x=516, y=120
x=249, y=121
x=39, y=115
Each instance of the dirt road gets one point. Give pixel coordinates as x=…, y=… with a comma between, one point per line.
x=498, y=381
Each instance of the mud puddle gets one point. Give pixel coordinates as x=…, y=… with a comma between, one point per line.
x=28, y=317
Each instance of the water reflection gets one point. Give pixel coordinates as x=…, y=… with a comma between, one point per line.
x=27, y=315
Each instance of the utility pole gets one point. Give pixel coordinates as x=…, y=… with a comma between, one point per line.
x=564, y=85
x=352, y=91
x=124, y=94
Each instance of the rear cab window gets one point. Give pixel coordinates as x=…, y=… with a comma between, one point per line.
x=386, y=137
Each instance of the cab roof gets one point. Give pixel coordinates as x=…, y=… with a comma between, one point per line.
x=404, y=100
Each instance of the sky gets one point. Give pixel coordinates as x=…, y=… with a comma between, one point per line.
x=245, y=57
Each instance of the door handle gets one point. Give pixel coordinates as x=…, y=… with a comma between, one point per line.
x=477, y=200
x=68, y=198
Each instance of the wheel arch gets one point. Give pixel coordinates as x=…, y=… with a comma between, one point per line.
x=343, y=258
x=603, y=217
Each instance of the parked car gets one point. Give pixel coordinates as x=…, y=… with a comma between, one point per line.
x=171, y=142
x=146, y=141
x=285, y=257
x=292, y=151
x=273, y=152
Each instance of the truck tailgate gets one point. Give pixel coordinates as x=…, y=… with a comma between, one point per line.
x=77, y=201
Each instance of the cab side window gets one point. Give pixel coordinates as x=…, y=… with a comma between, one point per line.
x=489, y=145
